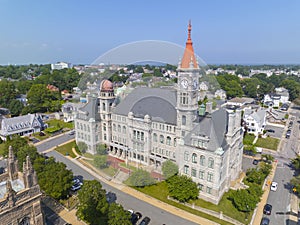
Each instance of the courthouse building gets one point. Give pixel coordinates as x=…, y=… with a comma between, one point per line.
x=152, y=125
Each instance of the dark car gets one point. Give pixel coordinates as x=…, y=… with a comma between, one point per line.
x=255, y=162
x=267, y=209
x=271, y=131
x=145, y=221
x=265, y=221
x=288, y=134
x=135, y=217
x=249, y=152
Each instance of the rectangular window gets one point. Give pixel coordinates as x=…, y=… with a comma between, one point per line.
x=200, y=186
x=208, y=190
x=210, y=177
x=194, y=172
x=201, y=174
x=186, y=169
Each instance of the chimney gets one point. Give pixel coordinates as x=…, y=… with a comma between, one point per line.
x=209, y=107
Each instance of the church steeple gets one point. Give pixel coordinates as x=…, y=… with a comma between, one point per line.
x=189, y=59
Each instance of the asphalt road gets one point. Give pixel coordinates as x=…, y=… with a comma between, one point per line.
x=157, y=215
x=52, y=142
x=280, y=200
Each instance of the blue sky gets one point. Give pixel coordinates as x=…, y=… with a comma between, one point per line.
x=231, y=31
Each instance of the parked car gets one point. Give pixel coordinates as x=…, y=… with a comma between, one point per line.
x=288, y=134
x=270, y=131
x=268, y=209
x=135, y=217
x=265, y=221
x=145, y=221
x=255, y=162
x=72, y=132
x=249, y=152
x=76, y=184
x=274, y=186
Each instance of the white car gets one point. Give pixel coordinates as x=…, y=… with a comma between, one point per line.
x=274, y=186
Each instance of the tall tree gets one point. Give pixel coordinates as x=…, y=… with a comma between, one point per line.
x=93, y=207
x=140, y=178
x=182, y=188
x=169, y=169
x=117, y=215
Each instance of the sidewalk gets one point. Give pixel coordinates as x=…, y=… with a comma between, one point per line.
x=258, y=213
x=143, y=197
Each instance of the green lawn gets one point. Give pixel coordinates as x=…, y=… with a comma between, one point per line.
x=67, y=149
x=2, y=146
x=123, y=164
x=160, y=191
x=268, y=142
x=60, y=124
x=248, y=139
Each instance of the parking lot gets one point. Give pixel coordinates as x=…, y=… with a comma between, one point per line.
x=277, y=131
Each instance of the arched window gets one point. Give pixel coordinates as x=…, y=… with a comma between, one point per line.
x=168, y=142
x=210, y=162
x=186, y=156
x=202, y=160
x=119, y=128
x=104, y=126
x=175, y=142
x=114, y=127
x=194, y=158
x=183, y=120
x=155, y=137
x=124, y=130
x=25, y=221
x=161, y=139
x=103, y=106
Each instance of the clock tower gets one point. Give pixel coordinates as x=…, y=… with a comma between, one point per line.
x=187, y=88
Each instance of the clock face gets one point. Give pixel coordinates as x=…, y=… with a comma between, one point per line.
x=184, y=83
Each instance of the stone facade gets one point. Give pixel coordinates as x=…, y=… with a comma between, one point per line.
x=152, y=125
x=20, y=202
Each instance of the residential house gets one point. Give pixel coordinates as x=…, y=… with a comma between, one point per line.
x=21, y=125
x=255, y=120
x=220, y=94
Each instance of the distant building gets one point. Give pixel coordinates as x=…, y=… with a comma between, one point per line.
x=255, y=120
x=20, y=195
x=21, y=125
x=240, y=101
x=60, y=66
x=51, y=87
x=278, y=98
x=220, y=94
x=69, y=109
x=204, y=86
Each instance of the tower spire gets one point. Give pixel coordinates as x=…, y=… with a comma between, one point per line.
x=189, y=58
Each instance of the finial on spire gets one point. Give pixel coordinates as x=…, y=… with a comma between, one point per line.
x=189, y=30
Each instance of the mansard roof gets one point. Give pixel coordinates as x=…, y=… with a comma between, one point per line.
x=158, y=103
x=212, y=127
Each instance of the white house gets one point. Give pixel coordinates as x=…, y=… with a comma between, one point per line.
x=60, y=66
x=255, y=120
x=280, y=96
x=204, y=86
x=221, y=94
x=21, y=125
x=68, y=109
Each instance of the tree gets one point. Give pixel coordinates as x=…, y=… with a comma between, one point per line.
x=15, y=107
x=169, y=169
x=243, y=200
x=157, y=72
x=296, y=163
x=93, y=207
x=7, y=93
x=100, y=161
x=182, y=188
x=57, y=186
x=117, y=215
x=82, y=147
x=140, y=178
x=101, y=149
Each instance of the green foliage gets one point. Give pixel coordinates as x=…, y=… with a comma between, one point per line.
x=117, y=215
x=182, y=188
x=15, y=107
x=296, y=163
x=40, y=99
x=100, y=161
x=93, y=207
x=101, y=149
x=157, y=72
x=140, y=178
x=265, y=168
x=255, y=176
x=169, y=169
x=248, y=139
x=293, y=87
x=7, y=93
x=57, y=186
x=243, y=200
x=82, y=147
